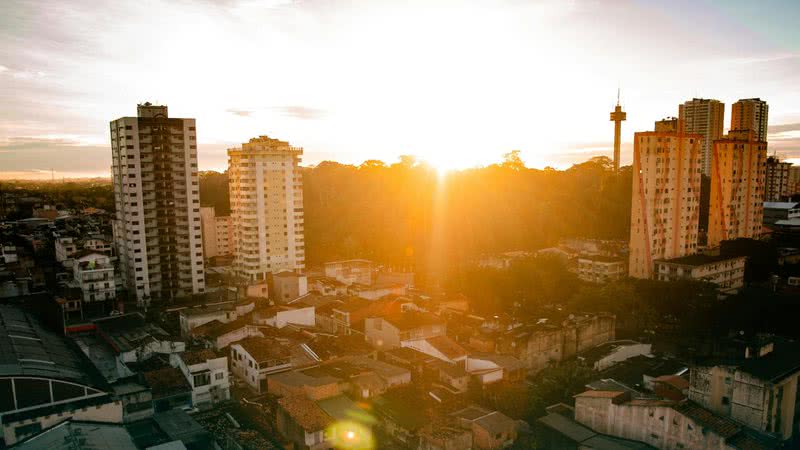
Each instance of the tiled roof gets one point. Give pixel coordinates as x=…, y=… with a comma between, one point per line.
x=264, y=349
x=719, y=425
x=411, y=320
x=166, y=382
x=305, y=413
x=496, y=422
x=448, y=347
x=198, y=356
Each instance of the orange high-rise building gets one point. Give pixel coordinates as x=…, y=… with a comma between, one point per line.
x=665, y=203
x=751, y=114
x=736, y=207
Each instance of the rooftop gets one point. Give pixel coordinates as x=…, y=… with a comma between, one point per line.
x=698, y=259
x=447, y=346
x=776, y=365
x=496, y=422
x=129, y=331
x=720, y=425
x=198, y=356
x=71, y=435
x=27, y=348
x=208, y=309
x=781, y=205
x=305, y=413
x=166, y=382
x=412, y=319
x=264, y=349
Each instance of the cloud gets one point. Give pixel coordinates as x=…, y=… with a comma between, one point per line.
x=300, y=112
x=240, y=112
x=783, y=128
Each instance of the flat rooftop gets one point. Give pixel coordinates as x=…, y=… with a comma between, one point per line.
x=698, y=259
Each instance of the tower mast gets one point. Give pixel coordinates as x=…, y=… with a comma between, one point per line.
x=617, y=116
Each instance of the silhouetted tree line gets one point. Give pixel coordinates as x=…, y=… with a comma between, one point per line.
x=407, y=215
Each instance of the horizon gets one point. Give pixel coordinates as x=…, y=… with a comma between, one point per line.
x=346, y=82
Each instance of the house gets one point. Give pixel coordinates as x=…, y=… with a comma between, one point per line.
x=664, y=423
x=348, y=314
x=490, y=429
x=775, y=211
x=8, y=253
x=350, y=271
x=169, y=388
x=218, y=335
x=133, y=339
x=559, y=430
x=65, y=248
x=441, y=347
x=207, y=374
x=754, y=390
x=445, y=438
x=606, y=355
x=376, y=290
x=326, y=286
x=286, y=286
x=314, y=385
x=303, y=423
x=191, y=318
x=491, y=367
x=280, y=316
x=136, y=398
x=394, y=330
x=254, y=358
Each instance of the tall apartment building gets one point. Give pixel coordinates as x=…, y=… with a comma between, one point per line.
x=736, y=208
x=751, y=114
x=266, y=192
x=704, y=117
x=217, y=233
x=777, y=180
x=156, y=191
x=665, y=203
x=794, y=180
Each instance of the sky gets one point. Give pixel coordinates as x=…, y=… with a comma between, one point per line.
x=456, y=83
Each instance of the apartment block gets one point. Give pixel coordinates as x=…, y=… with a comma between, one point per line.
x=704, y=117
x=266, y=192
x=751, y=114
x=665, y=204
x=736, y=207
x=157, y=229
x=777, y=180
x=217, y=233
x=725, y=272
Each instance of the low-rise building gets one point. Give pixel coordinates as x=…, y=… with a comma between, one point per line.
x=218, y=335
x=207, y=374
x=281, y=316
x=601, y=269
x=398, y=330
x=610, y=353
x=490, y=429
x=759, y=390
x=663, y=423
x=8, y=254
x=303, y=423
x=194, y=317
x=93, y=273
x=726, y=272
x=287, y=285
x=490, y=367
x=133, y=339
x=254, y=358
x=350, y=271
x=170, y=389
x=66, y=247
x=775, y=211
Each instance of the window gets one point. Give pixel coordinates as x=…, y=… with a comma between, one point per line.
x=219, y=375
x=202, y=379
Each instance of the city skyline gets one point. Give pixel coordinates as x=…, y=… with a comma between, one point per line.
x=348, y=83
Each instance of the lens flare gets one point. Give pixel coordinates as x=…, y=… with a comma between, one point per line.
x=350, y=435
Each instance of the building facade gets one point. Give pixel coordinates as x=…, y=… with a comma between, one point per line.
x=665, y=204
x=601, y=269
x=704, y=117
x=751, y=114
x=217, y=233
x=94, y=275
x=736, y=207
x=725, y=272
x=266, y=192
x=776, y=182
x=157, y=229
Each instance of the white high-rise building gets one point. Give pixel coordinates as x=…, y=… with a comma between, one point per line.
x=266, y=192
x=704, y=117
x=157, y=229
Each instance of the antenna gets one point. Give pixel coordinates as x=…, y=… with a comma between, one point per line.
x=617, y=95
